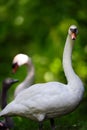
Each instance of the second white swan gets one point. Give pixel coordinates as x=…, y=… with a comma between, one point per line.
x=19, y=60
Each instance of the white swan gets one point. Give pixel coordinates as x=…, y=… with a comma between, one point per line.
x=19, y=60
x=52, y=99
x=23, y=59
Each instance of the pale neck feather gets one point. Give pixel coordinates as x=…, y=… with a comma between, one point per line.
x=67, y=57
x=28, y=80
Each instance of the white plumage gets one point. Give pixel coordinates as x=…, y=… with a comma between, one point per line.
x=52, y=99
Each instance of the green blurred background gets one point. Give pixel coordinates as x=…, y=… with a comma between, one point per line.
x=39, y=28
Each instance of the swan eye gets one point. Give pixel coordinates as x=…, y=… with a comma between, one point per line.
x=74, y=30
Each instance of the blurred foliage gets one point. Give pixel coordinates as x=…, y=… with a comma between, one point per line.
x=39, y=29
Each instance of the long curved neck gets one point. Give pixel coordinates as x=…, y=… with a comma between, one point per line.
x=28, y=80
x=30, y=75
x=67, y=56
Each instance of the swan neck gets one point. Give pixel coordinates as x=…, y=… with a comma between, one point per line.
x=28, y=80
x=67, y=57
x=3, y=98
x=30, y=74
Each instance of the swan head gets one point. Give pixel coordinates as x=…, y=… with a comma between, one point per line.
x=8, y=82
x=73, y=31
x=19, y=60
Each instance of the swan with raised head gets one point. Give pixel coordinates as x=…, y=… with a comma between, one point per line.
x=6, y=84
x=53, y=99
x=19, y=60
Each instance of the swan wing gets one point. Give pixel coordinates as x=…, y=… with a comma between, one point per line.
x=45, y=96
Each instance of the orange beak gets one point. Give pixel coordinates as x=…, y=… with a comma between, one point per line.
x=14, y=68
x=73, y=36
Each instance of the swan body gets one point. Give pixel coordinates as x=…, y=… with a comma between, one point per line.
x=35, y=107
x=19, y=60
x=53, y=99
